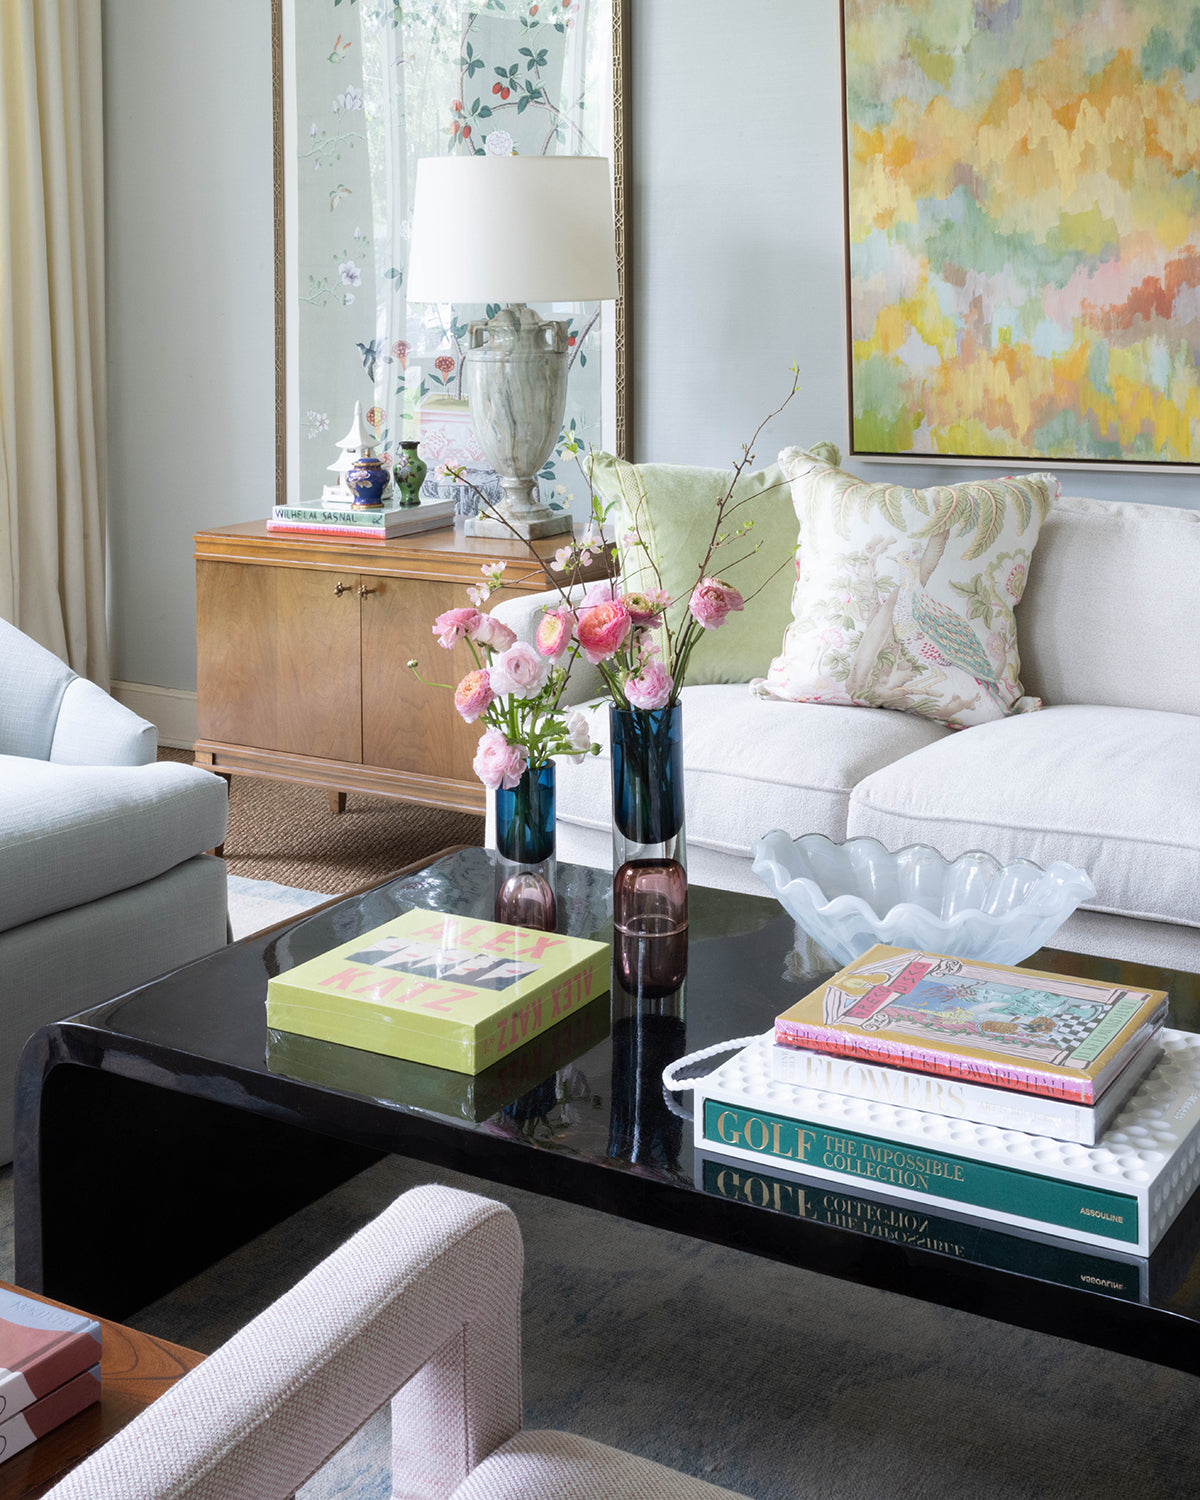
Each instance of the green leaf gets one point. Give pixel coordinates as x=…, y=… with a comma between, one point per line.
x=945, y=502
x=989, y=521
x=522, y=104
x=1022, y=507
x=891, y=503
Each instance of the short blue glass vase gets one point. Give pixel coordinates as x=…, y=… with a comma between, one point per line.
x=526, y=867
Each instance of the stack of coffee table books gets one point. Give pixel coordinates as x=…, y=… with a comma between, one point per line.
x=1034, y=1100
x=49, y=1368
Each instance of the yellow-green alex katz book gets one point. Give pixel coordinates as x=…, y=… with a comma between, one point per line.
x=454, y=992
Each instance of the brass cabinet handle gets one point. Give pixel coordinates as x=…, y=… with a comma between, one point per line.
x=339, y=588
x=363, y=591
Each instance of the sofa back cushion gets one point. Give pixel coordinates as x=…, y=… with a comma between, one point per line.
x=32, y=684
x=1111, y=613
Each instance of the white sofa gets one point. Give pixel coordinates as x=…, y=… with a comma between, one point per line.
x=103, y=879
x=1106, y=775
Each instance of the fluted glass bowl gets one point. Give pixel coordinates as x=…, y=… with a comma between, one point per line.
x=850, y=896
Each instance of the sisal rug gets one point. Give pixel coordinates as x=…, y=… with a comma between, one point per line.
x=760, y=1377
x=287, y=834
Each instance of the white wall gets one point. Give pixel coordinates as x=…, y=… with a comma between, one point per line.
x=191, y=407
x=737, y=256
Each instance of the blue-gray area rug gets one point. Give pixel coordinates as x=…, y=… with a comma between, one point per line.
x=255, y=904
x=769, y=1380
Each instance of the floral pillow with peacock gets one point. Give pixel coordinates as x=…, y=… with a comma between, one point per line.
x=904, y=598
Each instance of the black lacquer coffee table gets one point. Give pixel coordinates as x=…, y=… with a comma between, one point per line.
x=161, y=1130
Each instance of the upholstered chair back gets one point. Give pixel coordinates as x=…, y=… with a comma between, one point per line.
x=32, y=684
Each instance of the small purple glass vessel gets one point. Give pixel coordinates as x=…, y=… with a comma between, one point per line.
x=526, y=899
x=650, y=898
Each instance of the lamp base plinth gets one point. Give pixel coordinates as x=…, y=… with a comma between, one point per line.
x=554, y=523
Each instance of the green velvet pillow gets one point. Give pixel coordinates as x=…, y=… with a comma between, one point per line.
x=672, y=506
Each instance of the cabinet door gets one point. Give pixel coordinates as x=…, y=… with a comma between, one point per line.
x=406, y=725
x=278, y=659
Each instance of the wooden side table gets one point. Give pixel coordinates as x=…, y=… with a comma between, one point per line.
x=302, y=651
x=135, y=1369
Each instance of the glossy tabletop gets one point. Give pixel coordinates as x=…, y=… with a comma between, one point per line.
x=175, y=1115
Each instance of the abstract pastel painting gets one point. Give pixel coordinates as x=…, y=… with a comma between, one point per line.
x=1023, y=229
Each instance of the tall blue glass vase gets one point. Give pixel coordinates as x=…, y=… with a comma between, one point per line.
x=526, y=867
x=649, y=848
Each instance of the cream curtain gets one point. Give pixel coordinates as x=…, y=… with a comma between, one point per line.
x=52, y=328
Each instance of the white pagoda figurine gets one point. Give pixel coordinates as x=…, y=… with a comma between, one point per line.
x=356, y=446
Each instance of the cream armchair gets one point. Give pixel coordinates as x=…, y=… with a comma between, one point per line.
x=104, y=882
x=421, y=1307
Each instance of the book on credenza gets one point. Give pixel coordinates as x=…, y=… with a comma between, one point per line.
x=454, y=992
x=41, y=1346
x=49, y=1411
x=1123, y=1192
x=986, y=1104
x=1044, y=1034
x=372, y=525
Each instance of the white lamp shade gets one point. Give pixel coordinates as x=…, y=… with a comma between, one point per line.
x=512, y=229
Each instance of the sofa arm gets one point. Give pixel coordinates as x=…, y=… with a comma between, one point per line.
x=93, y=729
x=522, y=615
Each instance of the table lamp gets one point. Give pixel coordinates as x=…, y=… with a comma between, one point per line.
x=514, y=229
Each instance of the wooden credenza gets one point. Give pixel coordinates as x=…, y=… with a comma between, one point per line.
x=302, y=652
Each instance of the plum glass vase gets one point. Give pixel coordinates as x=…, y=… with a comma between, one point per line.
x=525, y=844
x=649, y=847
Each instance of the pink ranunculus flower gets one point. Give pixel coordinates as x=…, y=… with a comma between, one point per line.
x=454, y=624
x=554, y=632
x=600, y=592
x=494, y=633
x=497, y=763
x=646, y=608
x=602, y=630
x=473, y=694
x=651, y=688
x=712, y=600
x=519, y=671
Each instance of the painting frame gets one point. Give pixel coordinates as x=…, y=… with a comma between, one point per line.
x=1072, y=403
x=617, y=392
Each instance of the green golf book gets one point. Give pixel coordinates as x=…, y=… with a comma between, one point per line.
x=455, y=992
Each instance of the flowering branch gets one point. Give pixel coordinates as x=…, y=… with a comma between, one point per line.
x=641, y=657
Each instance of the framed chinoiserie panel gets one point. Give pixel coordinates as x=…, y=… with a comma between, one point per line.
x=1023, y=230
x=363, y=90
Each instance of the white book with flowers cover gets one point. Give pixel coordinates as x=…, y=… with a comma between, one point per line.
x=960, y=1099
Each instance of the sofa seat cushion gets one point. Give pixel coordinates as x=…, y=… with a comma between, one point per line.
x=70, y=834
x=1106, y=789
x=752, y=765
